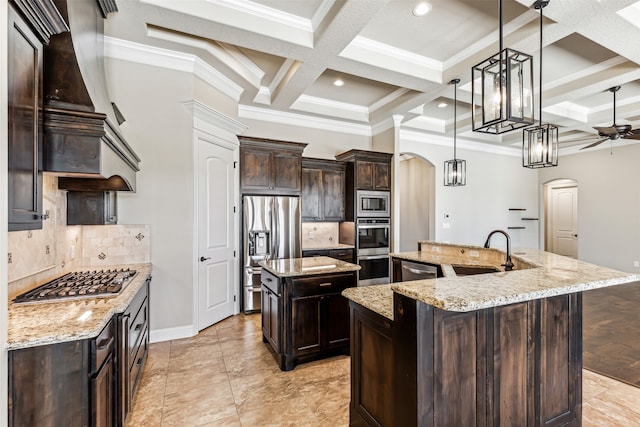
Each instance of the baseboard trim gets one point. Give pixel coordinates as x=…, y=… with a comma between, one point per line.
x=167, y=334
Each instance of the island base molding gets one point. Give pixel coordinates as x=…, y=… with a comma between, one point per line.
x=519, y=364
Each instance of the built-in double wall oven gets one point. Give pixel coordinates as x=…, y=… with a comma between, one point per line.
x=372, y=248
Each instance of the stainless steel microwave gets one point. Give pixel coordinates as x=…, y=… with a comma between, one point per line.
x=373, y=204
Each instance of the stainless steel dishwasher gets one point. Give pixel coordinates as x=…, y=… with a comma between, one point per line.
x=417, y=271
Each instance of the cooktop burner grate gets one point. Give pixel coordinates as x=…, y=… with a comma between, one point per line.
x=80, y=284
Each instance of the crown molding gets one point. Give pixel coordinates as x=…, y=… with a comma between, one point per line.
x=312, y=104
x=432, y=139
x=208, y=120
x=165, y=58
x=302, y=120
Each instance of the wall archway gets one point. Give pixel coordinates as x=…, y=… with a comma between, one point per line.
x=417, y=200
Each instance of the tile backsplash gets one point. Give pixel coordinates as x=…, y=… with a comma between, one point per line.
x=319, y=234
x=40, y=255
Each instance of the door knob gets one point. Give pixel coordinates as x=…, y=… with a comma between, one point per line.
x=575, y=235
x=203, y=259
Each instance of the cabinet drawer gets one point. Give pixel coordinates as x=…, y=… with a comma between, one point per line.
x=342, y=254
x=314, y=252
x=270, y=281
x=137, y=362
x=320, y=285
x=136, y=328
x=102, y=346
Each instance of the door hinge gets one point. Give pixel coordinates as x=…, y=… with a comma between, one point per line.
x=235, y=164
x=234, y=254
x=234, y=298
x=234, y=209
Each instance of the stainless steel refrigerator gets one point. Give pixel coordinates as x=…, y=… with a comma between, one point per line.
x=270, y=230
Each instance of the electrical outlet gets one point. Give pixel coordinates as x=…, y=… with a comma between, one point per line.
x=10, y=258
x=636, y=263
x=446, y=225
x=474, y=253
x=435, y=248
x=47, y=251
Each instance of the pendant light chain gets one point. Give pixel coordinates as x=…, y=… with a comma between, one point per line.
x=540, y=76
x=455, y=115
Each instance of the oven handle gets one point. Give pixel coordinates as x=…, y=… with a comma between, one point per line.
x=387, y=226
x=372, y=257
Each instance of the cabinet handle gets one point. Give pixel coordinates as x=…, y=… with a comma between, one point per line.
x=138, y=327
x=325, y=284
x=268, y=279
x=139, y=361
x=105, y=343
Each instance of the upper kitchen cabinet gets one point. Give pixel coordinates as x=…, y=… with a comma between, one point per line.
x=323, y=184
x=269, y=166
x=371, y=170
x=30, y=26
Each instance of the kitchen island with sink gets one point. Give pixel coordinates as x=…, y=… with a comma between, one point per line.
x=499, y=348
x=304, y=316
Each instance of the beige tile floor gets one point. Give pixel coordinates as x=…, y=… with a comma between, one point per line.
x=225, y=376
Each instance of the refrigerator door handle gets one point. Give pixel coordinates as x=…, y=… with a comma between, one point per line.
x=253, y=270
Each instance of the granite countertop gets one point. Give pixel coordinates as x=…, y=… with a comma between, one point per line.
x=49, y=322
x=544, y=275
x=328, y=247
x=377, y=298
x=307, y=266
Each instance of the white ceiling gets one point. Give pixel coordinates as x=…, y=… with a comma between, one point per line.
x=284, y=55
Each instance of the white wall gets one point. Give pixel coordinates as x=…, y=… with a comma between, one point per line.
x=495, y=183
x=160, y=129
x=608, y=203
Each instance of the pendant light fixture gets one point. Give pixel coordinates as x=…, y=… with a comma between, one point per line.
x=455, y=170
x=540, y=143
x=504, y=99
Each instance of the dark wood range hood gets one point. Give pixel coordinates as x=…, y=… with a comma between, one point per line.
x=82, y=140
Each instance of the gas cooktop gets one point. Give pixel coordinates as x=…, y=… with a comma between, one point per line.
x=80, y=284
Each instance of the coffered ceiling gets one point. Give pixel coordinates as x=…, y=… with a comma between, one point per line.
x=282, y=57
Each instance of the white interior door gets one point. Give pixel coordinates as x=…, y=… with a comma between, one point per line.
x=216, y=225
x=564, y=221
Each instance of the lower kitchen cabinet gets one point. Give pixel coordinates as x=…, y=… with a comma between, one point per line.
x=64, y=384
x=89, y=382
x=346, y=254
x=305, y=318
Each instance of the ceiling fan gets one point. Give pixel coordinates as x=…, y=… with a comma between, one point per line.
x=614, y=131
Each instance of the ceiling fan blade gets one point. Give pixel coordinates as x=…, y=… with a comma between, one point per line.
x=633, y=134
x=607, y=130
x=595, y=143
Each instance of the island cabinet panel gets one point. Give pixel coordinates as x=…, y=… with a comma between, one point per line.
x=309, y=319
x=371, y=368
x=518, y=364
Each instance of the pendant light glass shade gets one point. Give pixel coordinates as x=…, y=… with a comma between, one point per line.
x=455, y=173
x=455, y=170
x=540, y=146
x=502, y=91
x=540, y=143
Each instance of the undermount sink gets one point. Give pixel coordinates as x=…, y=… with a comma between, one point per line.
x=464, y=270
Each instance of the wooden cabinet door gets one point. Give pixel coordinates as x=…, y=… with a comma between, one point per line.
x=286, y=171
x=364, y=175
x=25, y=126
x=306, y=325
x=274, y=320
x=381, y=176
x=332, y=195
x=265, y=315
x=336, y=321
x=255, y=169
x=103, y=396
x=311, y=194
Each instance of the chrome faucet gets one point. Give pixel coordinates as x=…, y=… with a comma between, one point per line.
x=508, y=265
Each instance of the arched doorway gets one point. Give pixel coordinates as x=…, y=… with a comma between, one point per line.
x=561, y=217
x=417, y=201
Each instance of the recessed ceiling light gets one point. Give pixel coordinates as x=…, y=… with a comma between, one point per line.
x=338, y=82
x=422, y=8
x=442, y=105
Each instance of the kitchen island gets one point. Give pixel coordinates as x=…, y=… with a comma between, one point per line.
x=502, y=348
x=304, y=316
